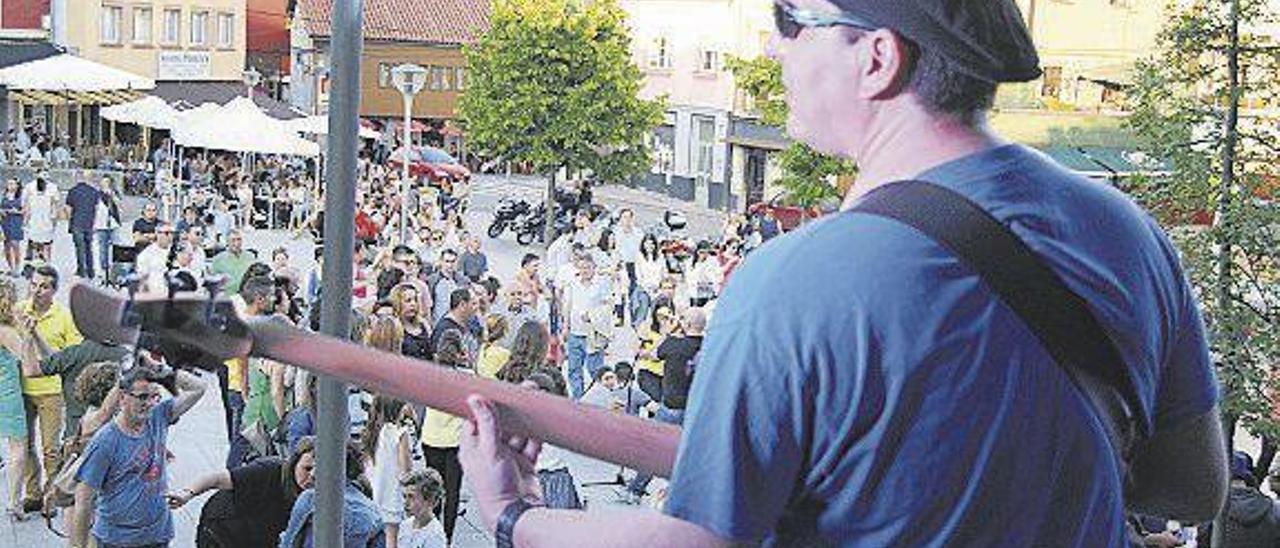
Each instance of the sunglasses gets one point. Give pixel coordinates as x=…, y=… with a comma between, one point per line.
x=790, y=20
x=145, y=396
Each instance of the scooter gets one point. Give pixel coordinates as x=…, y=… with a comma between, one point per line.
x=508, y=213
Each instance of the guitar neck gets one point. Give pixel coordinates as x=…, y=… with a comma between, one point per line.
x=614, y=437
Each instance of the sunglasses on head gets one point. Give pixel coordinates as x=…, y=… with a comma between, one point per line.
x=790, y=20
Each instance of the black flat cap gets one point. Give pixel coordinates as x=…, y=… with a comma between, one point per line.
x=986, y=39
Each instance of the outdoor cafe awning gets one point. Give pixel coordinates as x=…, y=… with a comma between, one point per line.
x=67, y=79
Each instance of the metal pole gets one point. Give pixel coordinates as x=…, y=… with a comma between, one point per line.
x=404, y=171
x=339, y=241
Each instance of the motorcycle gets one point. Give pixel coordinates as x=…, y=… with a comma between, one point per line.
x=530, y=227
x=508, y=212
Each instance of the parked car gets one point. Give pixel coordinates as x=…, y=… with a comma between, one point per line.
x=430, y=162
x=788, y=216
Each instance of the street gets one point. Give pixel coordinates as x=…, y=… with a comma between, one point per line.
x=198, y=442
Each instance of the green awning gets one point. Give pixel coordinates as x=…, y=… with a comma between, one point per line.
x=1127, y=162
x=1074, y=159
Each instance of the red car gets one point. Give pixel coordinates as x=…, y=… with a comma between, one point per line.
x=788, y=216
x=430, y=162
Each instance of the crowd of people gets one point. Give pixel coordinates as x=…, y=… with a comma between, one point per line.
x=102, y=412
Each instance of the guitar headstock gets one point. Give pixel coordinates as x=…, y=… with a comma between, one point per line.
x=197, y=319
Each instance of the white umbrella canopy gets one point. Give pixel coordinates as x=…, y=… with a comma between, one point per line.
x=239, y=126
x=68, y=73
x=319, y=125
x=149, y=111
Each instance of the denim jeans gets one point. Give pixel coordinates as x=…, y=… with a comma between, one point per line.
x=667, y=415
x=239, y=446
x=640, y=304
x=102, y=241
x=83, y=240
x=576, y=348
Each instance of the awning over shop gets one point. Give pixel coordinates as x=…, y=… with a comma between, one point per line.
x=67, y=79
x=1106, y=162
x=1075, y=160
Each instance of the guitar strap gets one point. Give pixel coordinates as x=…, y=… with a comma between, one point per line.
x=1058, y=317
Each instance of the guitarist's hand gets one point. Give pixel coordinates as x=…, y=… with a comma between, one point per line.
x=499, y=468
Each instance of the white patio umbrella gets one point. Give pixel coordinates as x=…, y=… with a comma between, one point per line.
x=319, y=125
x=68, y=73
x=149, y=111
x=239, y=126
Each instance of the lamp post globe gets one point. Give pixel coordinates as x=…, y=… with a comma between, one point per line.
x=409, y=79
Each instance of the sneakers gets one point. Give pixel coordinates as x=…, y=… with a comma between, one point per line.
x=32, y=505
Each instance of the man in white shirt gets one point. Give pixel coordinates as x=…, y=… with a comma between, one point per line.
x=153, y=262
x=584, y=296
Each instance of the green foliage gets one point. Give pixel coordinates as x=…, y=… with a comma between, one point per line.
x=805, y=172
x=1179, y=103
x=552, y=84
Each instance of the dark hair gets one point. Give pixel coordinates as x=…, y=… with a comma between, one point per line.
x=131, y=375
x=944, y=89
x=451, y=350
x=624, y=372
x=385, y=410
x=50, y=272
x=528, y=352
x=255, y=270
x=606, y=240
x=528, y=258
x=41, y=184
x=649, y=237
x=459, y=297
x=599, y=374
x=257, y=286
x=448, y=251
x=548, y=381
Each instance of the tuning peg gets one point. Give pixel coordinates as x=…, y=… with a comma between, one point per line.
x=130, y=317
x=213, y=285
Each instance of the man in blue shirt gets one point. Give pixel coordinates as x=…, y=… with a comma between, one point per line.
x=83, y=200
x=860, y=386
x=123, y=475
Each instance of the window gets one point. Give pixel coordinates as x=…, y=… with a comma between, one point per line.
x=142, y=25
x=384, y=75
x=226, y=30
x=708, y=60
x=199, y=28
x=1052, y=84
x=439, y=78
x=660, y=54
x=459, y=79
x=703, y=145
x=112, y=19
x=172, y=26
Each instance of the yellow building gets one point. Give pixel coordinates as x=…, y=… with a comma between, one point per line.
x=1088, y=47
x=170, y=40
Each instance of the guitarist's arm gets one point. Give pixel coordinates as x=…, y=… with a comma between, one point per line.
x=508, y=465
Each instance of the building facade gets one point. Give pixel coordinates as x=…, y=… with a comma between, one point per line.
x=428, y=33
x=682, y=47
x=197, y=40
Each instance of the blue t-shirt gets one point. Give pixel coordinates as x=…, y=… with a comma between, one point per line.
x=862, y=386
x=129, y=475
x=83, y=201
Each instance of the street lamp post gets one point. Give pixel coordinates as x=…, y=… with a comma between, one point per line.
x=409, y=79
x=251, y=78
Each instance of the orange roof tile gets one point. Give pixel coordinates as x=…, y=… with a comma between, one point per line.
x=436, y=21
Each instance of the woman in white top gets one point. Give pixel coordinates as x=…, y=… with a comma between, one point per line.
x=387, y=442
x=40, y=199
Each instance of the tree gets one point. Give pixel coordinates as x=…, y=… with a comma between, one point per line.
x=552, y=84
x=1196, y=105
x=805, y=171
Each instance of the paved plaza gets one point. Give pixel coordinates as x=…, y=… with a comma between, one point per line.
x=198, y=442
